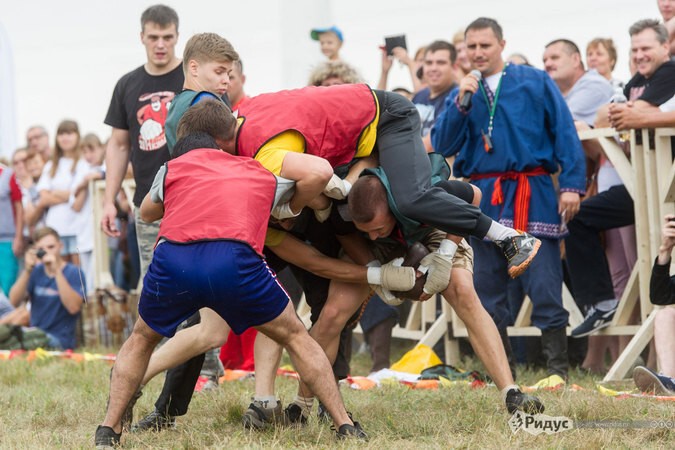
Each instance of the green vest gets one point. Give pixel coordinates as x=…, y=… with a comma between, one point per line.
x=178, y=106
x=412, y=230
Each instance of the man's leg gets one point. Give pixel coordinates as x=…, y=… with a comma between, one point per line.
x=405, y=161
x=146, y=236
x=483, y=334
x=127, y=373
x=309, y=360
x=343, y=300
x=182, y=357
x=210, y=333
x=585, y=255
x=664, y=338
x=543, y=283
x=265, y=409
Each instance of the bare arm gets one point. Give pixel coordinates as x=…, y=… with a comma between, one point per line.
x=151, y=211
x=645, y=117
x=17, y=244
x=307, y=257
x=310, y=173
x=116, y=159
x=356, y=248
x=71, y=299
x=18, y=292
x=384, y=73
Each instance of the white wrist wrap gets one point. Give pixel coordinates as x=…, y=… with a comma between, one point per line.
x=375, y=276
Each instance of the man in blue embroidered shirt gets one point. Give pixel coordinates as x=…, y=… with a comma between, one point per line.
x=515, y=135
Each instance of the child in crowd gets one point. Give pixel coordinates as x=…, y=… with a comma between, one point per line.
x=330, y=40
x=93, y=153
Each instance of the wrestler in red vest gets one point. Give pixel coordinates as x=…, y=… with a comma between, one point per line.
x=216, y=204
x=331, y=120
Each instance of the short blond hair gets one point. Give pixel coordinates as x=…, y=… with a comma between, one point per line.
x=207, y=47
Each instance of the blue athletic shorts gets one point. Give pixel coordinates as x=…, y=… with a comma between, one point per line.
x=226, y=276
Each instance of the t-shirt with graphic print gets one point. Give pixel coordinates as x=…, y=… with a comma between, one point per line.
x=139, y=104
x=430, y=108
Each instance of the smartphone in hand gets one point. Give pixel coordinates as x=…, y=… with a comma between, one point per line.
x=390, y=42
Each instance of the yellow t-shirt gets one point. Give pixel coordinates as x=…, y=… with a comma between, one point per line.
x=274, y=237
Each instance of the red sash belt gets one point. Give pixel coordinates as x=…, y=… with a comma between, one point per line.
x=523, y=192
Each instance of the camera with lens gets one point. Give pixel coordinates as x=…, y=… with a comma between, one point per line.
x=40, y=253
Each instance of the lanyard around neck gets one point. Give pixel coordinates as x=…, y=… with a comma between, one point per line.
x=493, y=106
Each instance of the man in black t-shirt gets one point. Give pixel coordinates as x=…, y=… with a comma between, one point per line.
x=652, y=85
x=137, y=114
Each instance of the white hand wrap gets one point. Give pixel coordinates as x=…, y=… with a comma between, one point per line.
x=337, y=188
x=439, y=268
x=397, y=278
x=283, y=211
x=323, y=214
x=387, y=296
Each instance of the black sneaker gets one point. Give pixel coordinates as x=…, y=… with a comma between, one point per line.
x=595, y=320
x=257, y=417
x=519, y=250
x=128, y=415
x=650, y=382
x=106, y=438
x=155, y=421
x=295, y=415
x=351, y=431
x=516, y=400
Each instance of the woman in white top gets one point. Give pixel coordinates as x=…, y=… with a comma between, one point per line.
x=56, y=183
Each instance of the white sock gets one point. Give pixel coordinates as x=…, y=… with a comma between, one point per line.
x=607, y=305
x=266, y=401
x=507, y=389
x=499, y=232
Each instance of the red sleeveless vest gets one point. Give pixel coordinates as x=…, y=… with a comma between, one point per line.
x=331, y=119
x=212, y=195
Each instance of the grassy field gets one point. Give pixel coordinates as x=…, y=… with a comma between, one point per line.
x=58, y=403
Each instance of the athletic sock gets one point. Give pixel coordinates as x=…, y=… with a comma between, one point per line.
x=507, y=389
x=499, y=232
x=265, y=401
x=305, y=403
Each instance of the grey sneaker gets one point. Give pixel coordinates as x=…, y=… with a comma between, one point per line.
x=106, y=438
x=516, y=400
x=519, y=251
x=155, y=421
x=257, y=417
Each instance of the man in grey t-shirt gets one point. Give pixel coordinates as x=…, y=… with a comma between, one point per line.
x=584, y=91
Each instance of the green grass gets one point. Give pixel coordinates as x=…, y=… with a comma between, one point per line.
x=58, y=403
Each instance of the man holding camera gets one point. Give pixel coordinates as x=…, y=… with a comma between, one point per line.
x=54, y=288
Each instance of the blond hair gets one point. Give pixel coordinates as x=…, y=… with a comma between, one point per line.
x=334, y=69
